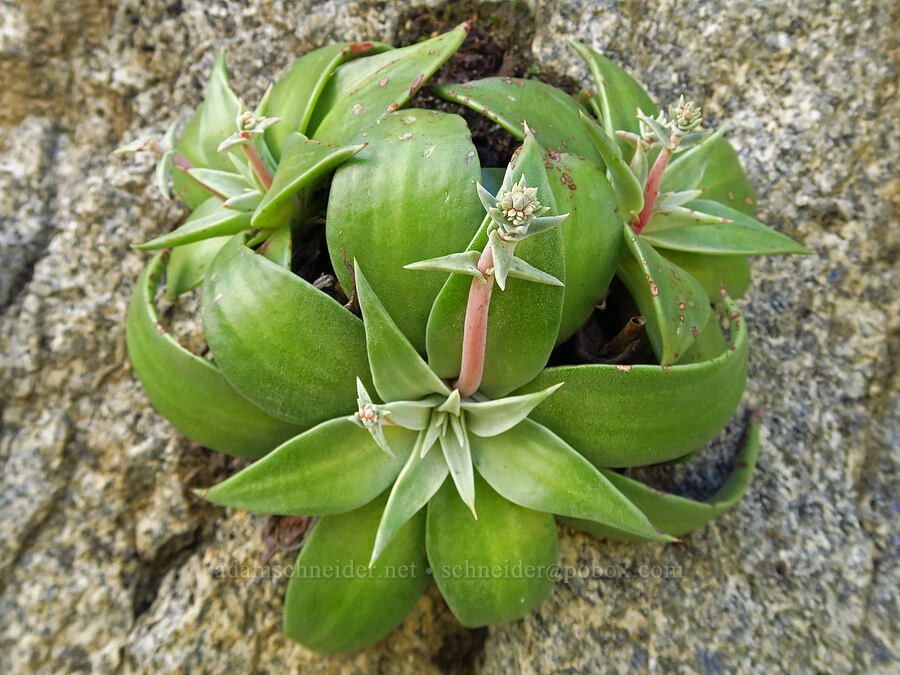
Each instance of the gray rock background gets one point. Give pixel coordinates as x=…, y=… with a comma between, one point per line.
x=107, y=564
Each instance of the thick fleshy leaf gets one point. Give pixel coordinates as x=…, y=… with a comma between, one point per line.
x=726, y=182
x=674, y=304
x=709, y=344
x=398, y=371
x=189, y=391
x=620, y=416
x=592, y=236
x=226, y=183
x=212, y=123
x=265, y=327
x=210, y=219
x=686, y=169
x=680, y=216
x=458, y=455
x=523, y=321
x=489, y=418
x=304, y=164
x=332, y=468
x=497, y=568
x=618, y=94
x=420, y=478
x=361, y=92
x=461, y=263
x=188, y=265
x=408, y=196
x=296, y=93
x=279, y=247
x=714, y=271
x=743, y=236
x=677, y=515
x=533, y=467
x=628, y=189
x=413, y=414
x=334, y=603
x=550, y=112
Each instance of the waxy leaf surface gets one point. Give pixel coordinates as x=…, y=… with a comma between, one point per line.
x=332, y=468
x=714, y=271
x=398, y=371
x=296, y=93
x=210, y=219
x=304, y=164
x=354, y=606
x=618, y=416
x=266, y=326
x=674, y=304
x=678, y=515
x=532, y=467
x=408, y=196
x=592, y=236
x=475, y=563
x=188, y=390
x=361, y=92
x=743, y=236
x=550, y=112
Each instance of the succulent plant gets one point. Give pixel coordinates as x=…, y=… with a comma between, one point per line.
x=390, y=390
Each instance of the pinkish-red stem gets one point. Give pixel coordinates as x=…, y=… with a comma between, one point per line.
x=475, y=329
x=654, y=180
x=258, y=166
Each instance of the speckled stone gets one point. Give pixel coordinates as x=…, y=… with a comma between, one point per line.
x=107, y=563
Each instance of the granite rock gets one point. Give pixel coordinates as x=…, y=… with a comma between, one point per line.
x=108, y=563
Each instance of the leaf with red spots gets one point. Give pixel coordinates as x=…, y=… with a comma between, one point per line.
x=670, y=299
x=357, y=95
x=551, y=113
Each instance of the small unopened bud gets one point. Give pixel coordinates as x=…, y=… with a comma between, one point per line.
x=247, y=123
x=686, y=116
x=519, y=204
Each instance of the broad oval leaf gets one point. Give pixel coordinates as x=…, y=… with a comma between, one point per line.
x=361, y=92
x=210, y=219
x=523, y=321
x=408, y=196
x=295, y=94
x=304, y=164
x=714, y=271
x=332, y=468
x=743, y=236
x=551, y=113
x=266, y=326
x=533, y=467
x=397, y=369
x=618, y=416
x=592, y=236
x=678, y=515
x=334, y=603
x=189, y=391
x=674, y=304
x=497, y=568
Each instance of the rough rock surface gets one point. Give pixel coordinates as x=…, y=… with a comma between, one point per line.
x=108, y=564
